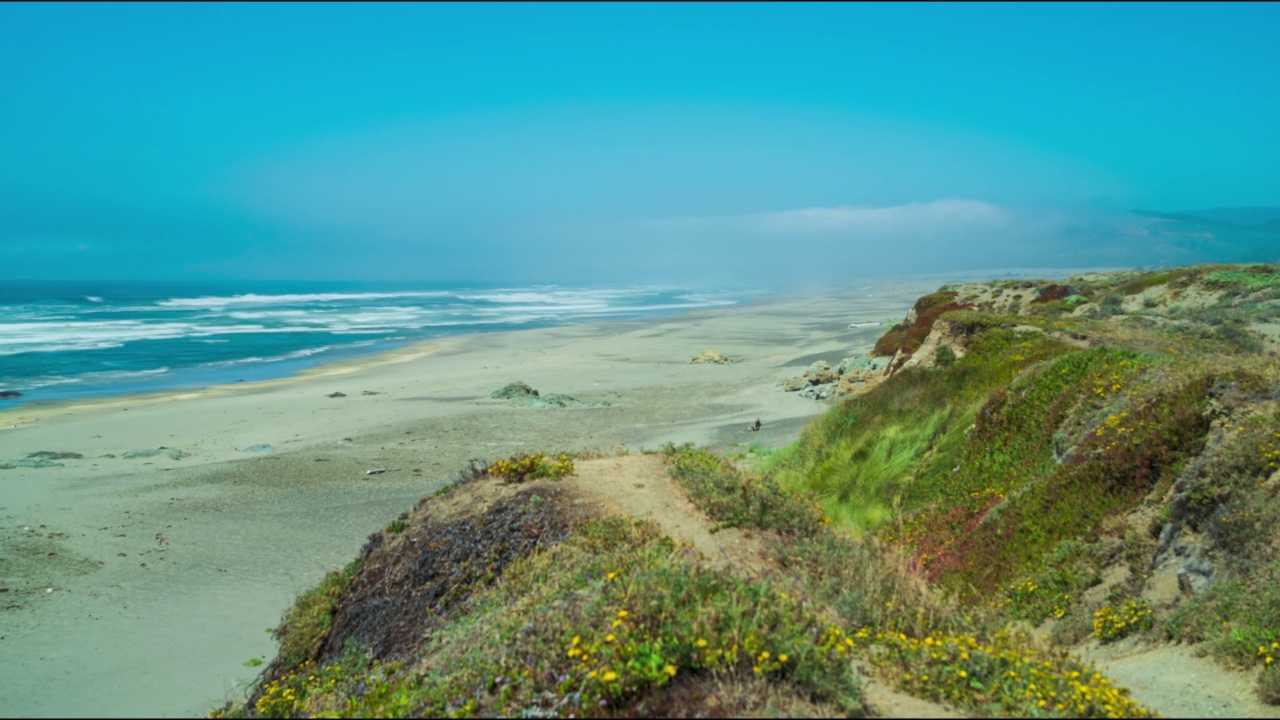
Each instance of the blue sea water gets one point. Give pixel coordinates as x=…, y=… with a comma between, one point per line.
x=64, y=340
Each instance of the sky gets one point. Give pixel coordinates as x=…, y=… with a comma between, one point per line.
x=562, y=143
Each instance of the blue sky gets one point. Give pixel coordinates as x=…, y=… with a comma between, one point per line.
x=530, y=142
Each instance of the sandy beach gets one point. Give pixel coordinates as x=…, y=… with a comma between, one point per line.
x=142, y=586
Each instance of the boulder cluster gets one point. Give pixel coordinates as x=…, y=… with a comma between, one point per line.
x=820, y=381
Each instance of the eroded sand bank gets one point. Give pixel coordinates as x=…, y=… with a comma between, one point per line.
x=141, y=586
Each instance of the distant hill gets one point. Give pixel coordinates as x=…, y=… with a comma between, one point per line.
x=1232, y=216
x=1220, y=235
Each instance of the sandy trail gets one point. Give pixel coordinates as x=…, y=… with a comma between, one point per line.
x=1172, y=681
x=134, y=626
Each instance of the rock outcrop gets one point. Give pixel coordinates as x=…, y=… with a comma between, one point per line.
x=820, y=381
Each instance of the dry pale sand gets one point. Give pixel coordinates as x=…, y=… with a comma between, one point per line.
x=141, y=586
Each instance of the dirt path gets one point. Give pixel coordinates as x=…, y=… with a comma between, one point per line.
x=1172, y=681
x=639, y=485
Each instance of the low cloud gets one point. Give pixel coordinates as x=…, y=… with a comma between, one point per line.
x=908, y=219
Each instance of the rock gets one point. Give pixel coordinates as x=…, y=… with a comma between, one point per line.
x=820, y=377
x=711, y=356
x=336, y=395
x=847, y=385
x=819, y=392
x=794, y=384
x=259, y=448
x=819, y=366
x=171, y=453
x=28, y=463
x=1196, y=575
x=514, y=391
x=861, y=364
x=56, y=455
x=368, y=393
x=9, y=394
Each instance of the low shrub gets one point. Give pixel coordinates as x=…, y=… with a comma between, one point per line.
x=521, y=468
x=1111, y=623
x=1002, y=677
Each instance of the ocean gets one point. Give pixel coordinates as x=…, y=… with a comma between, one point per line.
x=66, y=340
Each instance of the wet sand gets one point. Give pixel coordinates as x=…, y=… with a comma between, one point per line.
x=142, y=586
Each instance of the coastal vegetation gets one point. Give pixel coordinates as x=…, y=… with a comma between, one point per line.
x=1041, y=467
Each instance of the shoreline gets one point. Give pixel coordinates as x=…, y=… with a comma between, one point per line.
x=356, y=361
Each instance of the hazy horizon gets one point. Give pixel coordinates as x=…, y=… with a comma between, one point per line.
x=773, y=145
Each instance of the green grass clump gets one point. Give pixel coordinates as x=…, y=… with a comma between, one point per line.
x=1150, y=280
x=1239, y=621
x=1260, y=277
x=740, y=499
x=895, y=446
x=306, y=624
x=1269, y=682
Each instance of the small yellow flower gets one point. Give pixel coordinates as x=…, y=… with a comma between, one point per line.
x=701, y=643
x=782, y=657
x=609, y=676
x=670, y=670
x=609, y=638
x=622, y=614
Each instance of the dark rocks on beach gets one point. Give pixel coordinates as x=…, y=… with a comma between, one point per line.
x=28, y=463
x=819, y=392
x=514, y=391
x=368, y=393
x=171, y=453
x=519, y=393
x=56, y=455
x=9, y=394
x=336, y=395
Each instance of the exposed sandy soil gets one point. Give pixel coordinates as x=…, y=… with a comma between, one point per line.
x=1173, y=681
